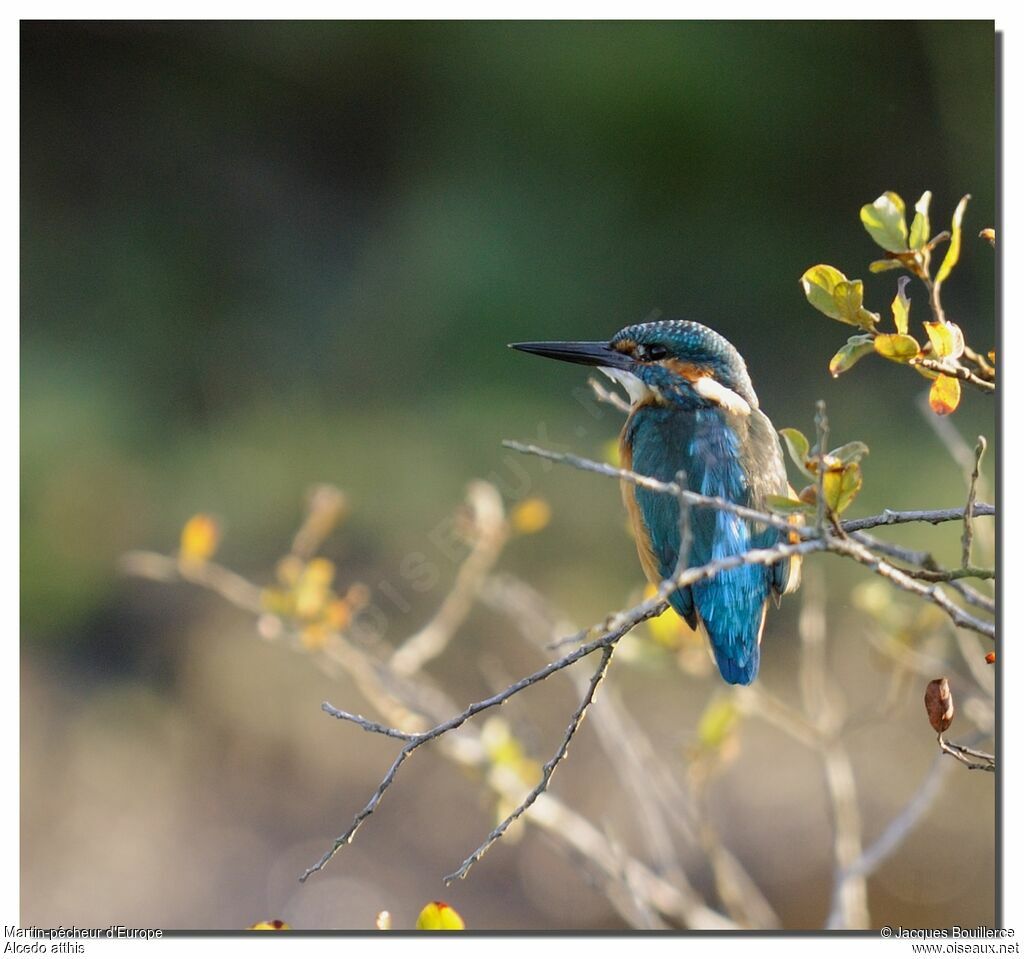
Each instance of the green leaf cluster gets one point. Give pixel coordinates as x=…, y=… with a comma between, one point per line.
x=842, y=477
x=830, y=292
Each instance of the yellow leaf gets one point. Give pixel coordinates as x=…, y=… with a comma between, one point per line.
x=783, y=504
x=717, y=723
x=439, y=915
x=886, y=222
x=901, y=306
x=819, y=283
x=841, y=487
x=953, y=251
x=896, y=346
x=944, y=396
x=988, y=234
x=945, y=338
x=612, y=454
x=338, y=614
x=848, y=296
x=531, y=516
x=314, y=588
x=668, y=629
x=798, y=447
x=880, y=266
x=856, y=348
x=272, y=924
x=200, y=538
x=920, y=229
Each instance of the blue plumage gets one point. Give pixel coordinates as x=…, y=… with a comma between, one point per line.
x=694, y=411
x=665, y=440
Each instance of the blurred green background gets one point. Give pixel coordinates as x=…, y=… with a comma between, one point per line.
x=260, y=255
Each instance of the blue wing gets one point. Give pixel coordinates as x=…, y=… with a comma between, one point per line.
x=718, y=462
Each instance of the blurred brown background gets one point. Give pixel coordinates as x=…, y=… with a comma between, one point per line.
x=260, y=256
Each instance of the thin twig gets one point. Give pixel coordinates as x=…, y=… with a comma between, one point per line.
x=950, y=575
x=639, y=614
x=966, y=755
x=604, y=395
x=549, y=769
x=821, y=426
x=968, y=536
x=985, y=369
x=931, y=593
x=629, y=884
x=889, y=517
x=890, y=839
x=925, y=560
x=955, y=370
x=368, y=724
x=822, y=541
x=490, y=532
x=892, y=517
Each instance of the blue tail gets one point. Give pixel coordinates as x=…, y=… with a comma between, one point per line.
x=732, y=607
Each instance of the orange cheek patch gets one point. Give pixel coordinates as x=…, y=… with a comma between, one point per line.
x=688, y=371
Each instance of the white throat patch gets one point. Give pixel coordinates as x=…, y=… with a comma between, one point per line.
x=639, y=392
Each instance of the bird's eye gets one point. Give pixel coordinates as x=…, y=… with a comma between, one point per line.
x=647, y=352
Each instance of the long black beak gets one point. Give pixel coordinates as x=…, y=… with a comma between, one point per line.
x=592, y=353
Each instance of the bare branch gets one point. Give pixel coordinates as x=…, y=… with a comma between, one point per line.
x=955, y=370
x=490, y=535
x=968, y=537
x=368, y=724
x=816, y=541
x=821, y=426
x=891, y=838
x=549, y=769
x=892, y=517
x=931, y=593
x=604, y=395
x=889, y=517
x=967, y=756
x=607, y=638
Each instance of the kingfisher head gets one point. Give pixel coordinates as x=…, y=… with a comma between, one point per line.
x=668, y=362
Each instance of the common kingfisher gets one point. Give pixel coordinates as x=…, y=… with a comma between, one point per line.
x=693, y=409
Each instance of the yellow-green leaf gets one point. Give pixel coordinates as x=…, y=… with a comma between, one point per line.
x=953, y=252
x=920, y=229
x=880, y=266
x=783, y=504
x=439, y=915
x=200, y=538
x=896, y=346
x=530, y=516
x=798, y=448
x=819, y=283
x=946, y=339
x=944, y=396
x=850, y=452
x=848, y=297
x=842, y=486
x=855, y=349
x=717, y=722
x=886, y=222
x=901, y=306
